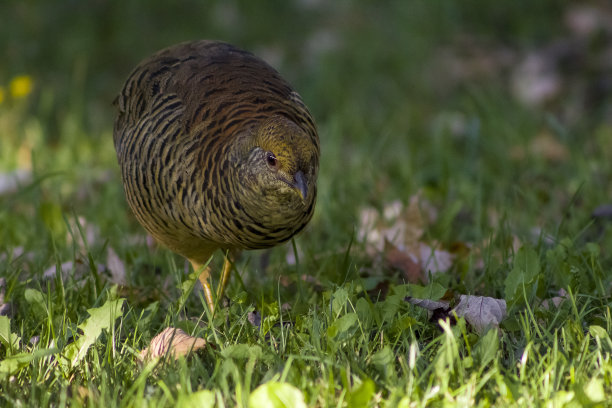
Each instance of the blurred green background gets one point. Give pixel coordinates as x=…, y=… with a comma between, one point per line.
x=444, y=97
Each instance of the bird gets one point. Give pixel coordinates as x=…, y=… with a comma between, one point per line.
x=216, y=152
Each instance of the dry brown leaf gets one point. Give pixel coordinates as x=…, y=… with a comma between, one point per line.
x=174, y=342
x=397, y=235
x=480, y=311
x=407, y=264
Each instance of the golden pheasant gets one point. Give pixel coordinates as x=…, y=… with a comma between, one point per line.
x=216, y=151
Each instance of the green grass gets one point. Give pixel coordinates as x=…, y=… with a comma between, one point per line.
x=395, y=118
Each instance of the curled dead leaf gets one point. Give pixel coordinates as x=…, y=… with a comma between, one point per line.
x=481, y=311
x=174, y=342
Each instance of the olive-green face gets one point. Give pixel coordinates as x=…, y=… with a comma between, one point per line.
x=272, y=181
x=279, y=170
x=286, y=167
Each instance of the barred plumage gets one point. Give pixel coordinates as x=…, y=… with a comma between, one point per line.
x=216, y=151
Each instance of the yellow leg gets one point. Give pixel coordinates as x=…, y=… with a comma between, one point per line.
x=204, y=279
x=225, y=274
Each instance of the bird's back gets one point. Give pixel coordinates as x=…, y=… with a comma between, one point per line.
x=179, y=113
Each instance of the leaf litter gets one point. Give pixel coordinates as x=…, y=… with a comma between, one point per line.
x=395, y=238
x=173, y=342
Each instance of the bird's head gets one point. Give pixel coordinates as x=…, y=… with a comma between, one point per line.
x=281, y=163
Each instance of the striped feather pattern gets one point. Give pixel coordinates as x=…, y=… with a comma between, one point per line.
x=196, y=126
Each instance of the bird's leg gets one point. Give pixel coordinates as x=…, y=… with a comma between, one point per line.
x=225, y=274
x=204, y=279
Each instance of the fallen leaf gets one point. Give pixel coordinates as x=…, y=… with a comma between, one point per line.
x=403, y=226
x=174, y=342
x=406, y=263
x=395, y=236
x=480, y=311
x=254, y=318
x=428, y=304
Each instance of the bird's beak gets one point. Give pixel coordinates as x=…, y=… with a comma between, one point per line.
x=300, y=184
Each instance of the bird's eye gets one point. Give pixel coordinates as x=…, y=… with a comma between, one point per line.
x=271, y=159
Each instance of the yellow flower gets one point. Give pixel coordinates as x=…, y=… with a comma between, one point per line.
x=21, y=86
x=1, y=94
